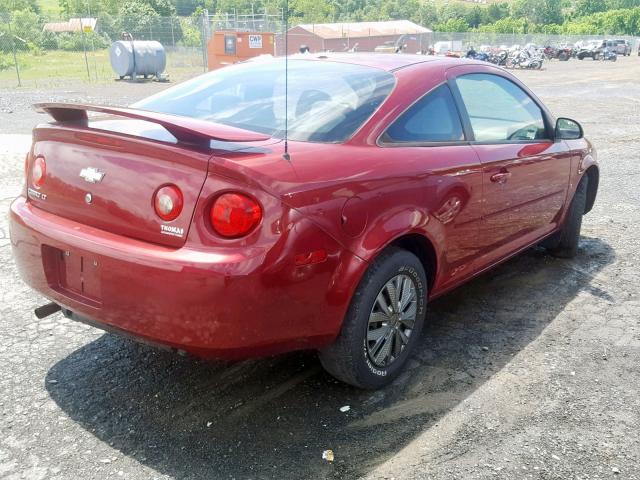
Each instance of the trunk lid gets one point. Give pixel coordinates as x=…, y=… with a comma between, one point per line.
x=109, y=182
x=105, y=172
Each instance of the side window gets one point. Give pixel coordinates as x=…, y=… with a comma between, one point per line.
x=433, y=118
x=499, y=110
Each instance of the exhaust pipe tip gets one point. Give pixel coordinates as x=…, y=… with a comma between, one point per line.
x=46, y=310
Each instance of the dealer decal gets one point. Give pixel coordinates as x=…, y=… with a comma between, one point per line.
x=171, y=230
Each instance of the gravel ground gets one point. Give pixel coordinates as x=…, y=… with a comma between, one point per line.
x=530, y=371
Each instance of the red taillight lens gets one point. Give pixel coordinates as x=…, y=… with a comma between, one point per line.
x=168, y=202
x=233, y=214
x=38, y=172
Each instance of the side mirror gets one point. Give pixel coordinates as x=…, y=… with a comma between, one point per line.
x=567, y=129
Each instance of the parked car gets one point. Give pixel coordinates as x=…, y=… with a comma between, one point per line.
x=592, y=49
x=621, y=47
x=225, y=218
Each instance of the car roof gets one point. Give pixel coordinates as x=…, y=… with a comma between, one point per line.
x=384, y=61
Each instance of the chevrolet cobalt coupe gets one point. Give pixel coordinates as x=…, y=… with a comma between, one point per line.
x=230, y=217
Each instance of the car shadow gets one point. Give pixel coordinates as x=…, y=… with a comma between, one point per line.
x=189, y=418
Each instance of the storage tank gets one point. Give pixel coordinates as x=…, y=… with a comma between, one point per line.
x=137, y=57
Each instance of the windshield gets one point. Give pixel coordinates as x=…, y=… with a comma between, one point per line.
x=328, y=101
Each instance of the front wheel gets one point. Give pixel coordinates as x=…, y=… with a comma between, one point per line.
x=564, y=244
x=383, y=323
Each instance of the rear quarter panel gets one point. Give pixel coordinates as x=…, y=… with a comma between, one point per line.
x=366, y=196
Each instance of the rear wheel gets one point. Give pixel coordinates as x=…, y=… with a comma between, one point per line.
x=383, y=323
x=564, y=244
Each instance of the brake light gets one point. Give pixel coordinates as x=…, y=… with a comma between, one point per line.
x=168, y=202
x=234, y=214
x=38, y=172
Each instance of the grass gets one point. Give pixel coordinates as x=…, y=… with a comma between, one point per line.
x=60, y=64
x=57, y=66
x=50, y=7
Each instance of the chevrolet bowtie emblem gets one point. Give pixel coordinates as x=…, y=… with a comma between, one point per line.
x=92, y=175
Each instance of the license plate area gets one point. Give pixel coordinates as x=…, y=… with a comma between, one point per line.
x=73, y=273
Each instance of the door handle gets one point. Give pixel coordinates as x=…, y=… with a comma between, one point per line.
x=501, y=177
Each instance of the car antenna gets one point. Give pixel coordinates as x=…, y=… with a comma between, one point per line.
x=286, y=155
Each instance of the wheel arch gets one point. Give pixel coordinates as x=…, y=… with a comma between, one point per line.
x=422, y=247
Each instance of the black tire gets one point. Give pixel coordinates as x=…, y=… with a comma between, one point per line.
x=564, y=244
x=348, y=358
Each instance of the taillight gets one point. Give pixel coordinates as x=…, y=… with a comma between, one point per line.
x=234, y=214
x=38, y=172
x=168, y=202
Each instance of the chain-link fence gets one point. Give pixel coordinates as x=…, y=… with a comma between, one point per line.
x=416, y=39
x=37, y=51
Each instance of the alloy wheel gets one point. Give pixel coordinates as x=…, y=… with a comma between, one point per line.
x=391, y=320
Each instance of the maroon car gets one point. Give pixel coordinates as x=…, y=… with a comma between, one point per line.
x=181, y=221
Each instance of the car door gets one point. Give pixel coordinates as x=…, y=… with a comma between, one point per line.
x=525, y=173
x=430, y=134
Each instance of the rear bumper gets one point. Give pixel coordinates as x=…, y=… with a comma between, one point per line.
x=209, y=302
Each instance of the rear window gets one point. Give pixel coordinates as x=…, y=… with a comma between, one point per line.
x=433, y=118
x=328, y=101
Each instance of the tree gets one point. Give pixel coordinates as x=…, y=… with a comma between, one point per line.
x=401, y=9
x=497, y=11
x=164, y=8
x=184, y=8
x=311, y=11
x=15, y=5
x=506, y=25
x=427, y=13
x=452, y=11
x=475, y=16
x=138, y=19
x=583, y=8
x=452, y=25
x=618, y=4
x=537, y=11
x=550, y=12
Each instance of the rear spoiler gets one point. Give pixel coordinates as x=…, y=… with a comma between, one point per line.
x=186, y=130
